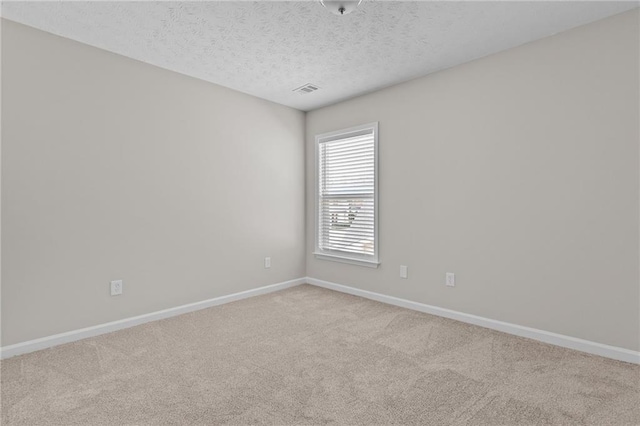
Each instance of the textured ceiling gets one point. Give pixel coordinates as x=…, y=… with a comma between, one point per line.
x=267, y=48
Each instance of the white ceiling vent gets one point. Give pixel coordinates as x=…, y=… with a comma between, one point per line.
x=307, y=88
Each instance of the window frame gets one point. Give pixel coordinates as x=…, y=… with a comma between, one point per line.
x=336, y=255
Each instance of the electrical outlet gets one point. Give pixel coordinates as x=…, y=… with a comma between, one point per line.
x=267, y=262
x=450, y=279
x=404, y=271
x=116, y=288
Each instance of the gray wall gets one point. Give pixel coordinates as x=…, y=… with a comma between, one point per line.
x=518, y=172
x=112, y=168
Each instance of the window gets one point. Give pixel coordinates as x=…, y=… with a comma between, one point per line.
x=347, y=195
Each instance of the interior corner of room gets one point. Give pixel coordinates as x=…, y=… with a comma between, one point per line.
x=506, y=192
x=518, y=171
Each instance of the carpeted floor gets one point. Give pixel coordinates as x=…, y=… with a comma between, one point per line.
x=308, y=355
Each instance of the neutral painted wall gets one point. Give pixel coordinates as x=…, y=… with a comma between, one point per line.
x=518, y=172
x=112, y=168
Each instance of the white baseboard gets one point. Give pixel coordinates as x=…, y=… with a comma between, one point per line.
x=83, y=333
x=582, y=345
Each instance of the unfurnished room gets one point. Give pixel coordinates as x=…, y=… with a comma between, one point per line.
x=320, y=212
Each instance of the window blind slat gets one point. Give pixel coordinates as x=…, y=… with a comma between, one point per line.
x=350, y=152
x=348, y=141
x=360, y=164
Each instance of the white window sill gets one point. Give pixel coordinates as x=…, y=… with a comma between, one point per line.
x=349, y=260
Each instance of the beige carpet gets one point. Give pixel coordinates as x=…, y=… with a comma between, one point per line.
x=312, y=356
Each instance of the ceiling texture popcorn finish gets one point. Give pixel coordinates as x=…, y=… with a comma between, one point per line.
x=268, y=49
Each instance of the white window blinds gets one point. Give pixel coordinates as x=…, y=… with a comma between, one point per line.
x=346, y=202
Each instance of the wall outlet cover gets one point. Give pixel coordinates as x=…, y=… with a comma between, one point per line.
x=116, y=287
x=404, y=271
x=450, y=279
